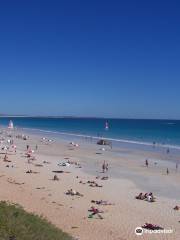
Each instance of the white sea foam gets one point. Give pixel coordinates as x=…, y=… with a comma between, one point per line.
x=106, y=138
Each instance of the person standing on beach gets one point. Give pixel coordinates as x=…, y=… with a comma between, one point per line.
x=167, y=171
x=27, y=147
x=107, y=167
x=147, y=163
x=36, y=147
x=103, y=166
x=176, y=167
x=5, y=158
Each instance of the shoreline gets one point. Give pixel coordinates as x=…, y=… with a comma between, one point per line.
x=150, y=133
x=137, y=159
x=115, y=140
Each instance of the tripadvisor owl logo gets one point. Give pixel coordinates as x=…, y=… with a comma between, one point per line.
x=139, y=231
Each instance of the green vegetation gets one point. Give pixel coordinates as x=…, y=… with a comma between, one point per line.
x=16, y=224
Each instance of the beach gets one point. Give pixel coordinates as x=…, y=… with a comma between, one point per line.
x=29, y=182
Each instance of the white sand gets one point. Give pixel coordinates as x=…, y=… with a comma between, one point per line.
x=71, y=213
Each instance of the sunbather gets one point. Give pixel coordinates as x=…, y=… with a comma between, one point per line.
x=30, y=171
x=104, y=178
x=147, y=196
x=82, y=182
x=140, y=196
x=73, y=193
x=95, y=211
x=152, y=226
x=101, y=202
x=91, y=182
x=176, y=208
x=95, y=185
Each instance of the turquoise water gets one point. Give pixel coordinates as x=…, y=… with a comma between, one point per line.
x=142, y=131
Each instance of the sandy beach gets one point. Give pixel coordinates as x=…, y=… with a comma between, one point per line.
x=127, y=175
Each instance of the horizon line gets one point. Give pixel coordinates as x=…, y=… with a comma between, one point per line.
x=82, y=117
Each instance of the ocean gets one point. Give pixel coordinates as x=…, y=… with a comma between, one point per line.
x=163, y=132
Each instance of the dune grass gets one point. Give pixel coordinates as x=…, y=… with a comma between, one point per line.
x=17, y=224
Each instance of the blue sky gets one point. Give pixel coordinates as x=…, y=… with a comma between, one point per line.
x=90, y=58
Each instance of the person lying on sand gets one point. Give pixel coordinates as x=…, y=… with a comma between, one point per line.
x=147, y=196
x=140, y=196
x=105, y=178
x=74, y=144
x=14, y=182
x=74, y=163
x=46, y=162
x=95, y=185
x=30, y=171
x=91, y=182
x=95, y=211
x=101, y=202
x=64, y=164
x=78, y=166
x=152, y=226
x=73, y=193
x=176, y=208
x=82, y=182
x=60, y=171
x=38, y=165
